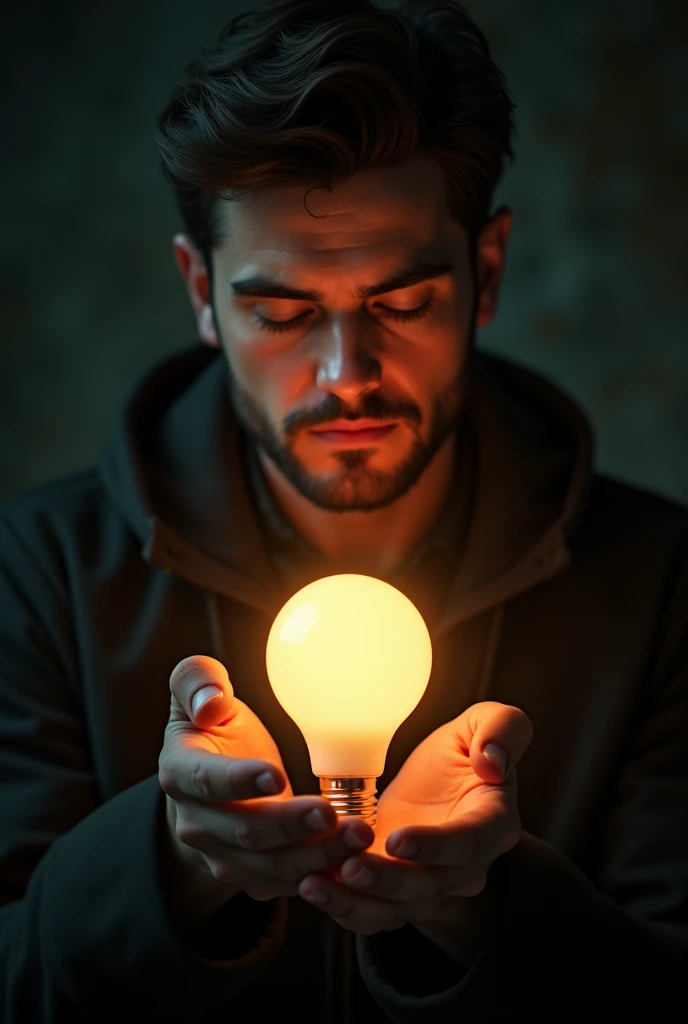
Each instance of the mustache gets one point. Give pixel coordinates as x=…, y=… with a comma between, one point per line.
x=372, y=408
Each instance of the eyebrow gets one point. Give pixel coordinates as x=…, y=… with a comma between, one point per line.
x=263, y=287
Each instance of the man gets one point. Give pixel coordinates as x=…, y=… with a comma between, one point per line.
x=165, y=850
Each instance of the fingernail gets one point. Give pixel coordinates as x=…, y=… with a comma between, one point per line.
x=265, y=782
x=204, y=694
x=406, y=849
x=320, y=896
x=353, y=840
x=364, y=877
x=495, y=754
x=315, y=820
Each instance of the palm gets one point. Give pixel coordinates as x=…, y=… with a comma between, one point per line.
x=435, y=786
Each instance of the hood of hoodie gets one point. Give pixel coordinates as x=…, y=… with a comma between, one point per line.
x=175, y=468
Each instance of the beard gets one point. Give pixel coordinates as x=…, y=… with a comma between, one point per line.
x=355, y=486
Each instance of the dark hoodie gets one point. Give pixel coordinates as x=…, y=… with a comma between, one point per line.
x=568, y=598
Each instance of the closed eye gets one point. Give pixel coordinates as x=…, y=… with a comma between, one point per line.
x=403, y=315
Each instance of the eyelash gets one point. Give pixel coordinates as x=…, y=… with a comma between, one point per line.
x=404, y=315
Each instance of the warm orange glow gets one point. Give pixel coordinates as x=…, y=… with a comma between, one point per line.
x=349, y=658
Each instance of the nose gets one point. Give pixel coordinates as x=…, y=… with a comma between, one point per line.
x=346, y=366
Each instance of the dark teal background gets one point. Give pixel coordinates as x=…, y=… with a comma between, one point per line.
x=595, y=292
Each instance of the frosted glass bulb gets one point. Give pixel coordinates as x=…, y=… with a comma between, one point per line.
x=348, y=658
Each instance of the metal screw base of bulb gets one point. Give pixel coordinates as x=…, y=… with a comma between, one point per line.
x=351, y=797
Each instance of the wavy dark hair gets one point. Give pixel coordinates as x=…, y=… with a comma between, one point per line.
x=310, y=92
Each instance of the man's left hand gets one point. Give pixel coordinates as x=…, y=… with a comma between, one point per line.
x=448, y=814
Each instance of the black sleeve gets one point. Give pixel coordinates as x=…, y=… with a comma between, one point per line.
x=564, y=946
x=84, y=931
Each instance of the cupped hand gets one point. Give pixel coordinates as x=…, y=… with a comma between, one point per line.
x=228, y=796
x=447, y=815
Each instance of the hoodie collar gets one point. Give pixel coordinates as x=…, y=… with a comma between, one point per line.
x=176, y=468
x=534, y=454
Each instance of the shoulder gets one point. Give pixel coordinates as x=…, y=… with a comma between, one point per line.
x=42, y=526
x=48, y=506
x=632, y=538
x=628, y=510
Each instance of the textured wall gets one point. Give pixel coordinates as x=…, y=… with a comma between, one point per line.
x=595, y=289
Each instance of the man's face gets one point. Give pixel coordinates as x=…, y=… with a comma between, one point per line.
x=338, y=352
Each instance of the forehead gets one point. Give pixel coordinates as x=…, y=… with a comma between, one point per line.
x=377, y=216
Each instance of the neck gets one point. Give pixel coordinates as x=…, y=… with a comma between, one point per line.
x=379, y=540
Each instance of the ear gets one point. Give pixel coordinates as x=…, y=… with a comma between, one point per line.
x=490, y=257
x=195, y=273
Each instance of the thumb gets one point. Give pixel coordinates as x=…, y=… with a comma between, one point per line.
x=501, y=734
x=201, y=692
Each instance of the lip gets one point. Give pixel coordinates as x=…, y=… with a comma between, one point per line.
x=351, y=437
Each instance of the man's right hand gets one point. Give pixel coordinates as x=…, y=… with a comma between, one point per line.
x=231, y=812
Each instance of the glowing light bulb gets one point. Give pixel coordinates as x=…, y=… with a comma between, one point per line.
x=348, y=658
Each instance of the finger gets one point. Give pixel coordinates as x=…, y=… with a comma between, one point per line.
x=410, y=883
x=262, y=889
x=201, y=692
x=320, y=853
x=190, y=773
x=476, y=837
x=257, y=825
x=356, y=912
x=392, y=879
x=501, y=734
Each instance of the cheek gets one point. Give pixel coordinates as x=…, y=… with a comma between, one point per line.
x=262, y=365
x=435, y=362
x=460, y=318
x=272, y=385
x=453, y=343
x=248, y=366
